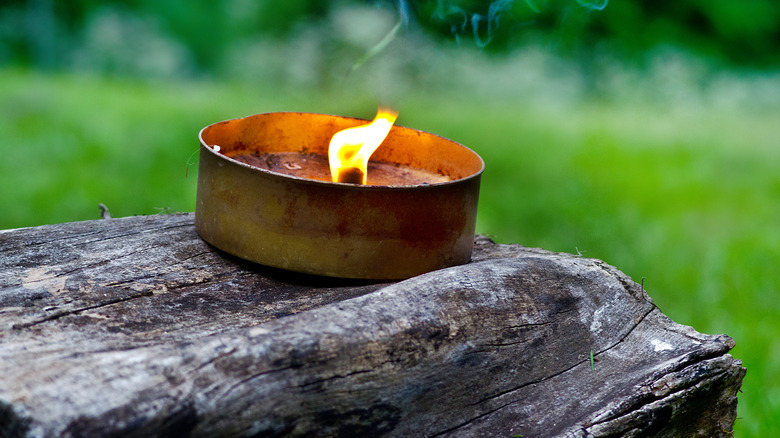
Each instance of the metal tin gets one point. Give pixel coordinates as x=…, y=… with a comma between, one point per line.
x=335, y=229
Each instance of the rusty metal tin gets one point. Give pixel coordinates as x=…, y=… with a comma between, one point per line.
x=335, y=229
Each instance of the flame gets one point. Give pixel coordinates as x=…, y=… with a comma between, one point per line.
x=351, y=148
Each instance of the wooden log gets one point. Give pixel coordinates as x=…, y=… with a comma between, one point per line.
x=136, y=327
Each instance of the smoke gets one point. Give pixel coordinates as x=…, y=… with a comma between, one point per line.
x=597, y=5
x=479, y=19
x=476, y=19
x=398, y=53
x=461, y=19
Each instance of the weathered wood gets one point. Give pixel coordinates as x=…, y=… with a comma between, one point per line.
x=136, y=327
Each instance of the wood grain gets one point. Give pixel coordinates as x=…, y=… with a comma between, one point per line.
x=136, y=327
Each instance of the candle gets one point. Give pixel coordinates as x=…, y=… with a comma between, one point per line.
x=266, y=193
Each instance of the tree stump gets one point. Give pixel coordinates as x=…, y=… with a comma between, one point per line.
x=136, y=327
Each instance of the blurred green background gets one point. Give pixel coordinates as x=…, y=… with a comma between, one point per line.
x=642, y=133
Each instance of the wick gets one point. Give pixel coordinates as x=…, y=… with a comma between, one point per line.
x=350, y=175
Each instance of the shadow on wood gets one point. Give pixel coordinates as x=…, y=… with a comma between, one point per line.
x=136, y=327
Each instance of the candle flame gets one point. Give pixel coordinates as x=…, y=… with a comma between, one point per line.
x=351, y=148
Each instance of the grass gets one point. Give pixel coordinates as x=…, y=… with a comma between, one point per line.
x=687, y=198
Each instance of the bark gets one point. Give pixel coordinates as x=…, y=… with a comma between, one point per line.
x=136, y=327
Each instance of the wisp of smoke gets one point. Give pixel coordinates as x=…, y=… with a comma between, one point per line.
x=597, y=4
x=470, y=16
x=480, y=18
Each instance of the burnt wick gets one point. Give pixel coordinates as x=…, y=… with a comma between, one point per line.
x=350, y=175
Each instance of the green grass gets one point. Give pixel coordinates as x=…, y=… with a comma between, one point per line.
x=687, y=198
x=69, y=143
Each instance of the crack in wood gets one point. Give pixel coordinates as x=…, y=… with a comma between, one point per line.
x=624, y=280
x=77, y=236
x=335, y=377
x=576, y=364
x=649, y=397
x=471, y=420
x=524, y=385
x=533, y=324
x=627, y=334
x=171, y=287
x=517, y=327
x=192, y=256
x=28, y=244
x=254, y=376
x=85, y=267
x=216, y=358
x=64, y=313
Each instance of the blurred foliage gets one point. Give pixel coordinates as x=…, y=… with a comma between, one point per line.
x=746, y=32
x=197, y=34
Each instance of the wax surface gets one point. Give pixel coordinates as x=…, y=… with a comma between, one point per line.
x=315, y=166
